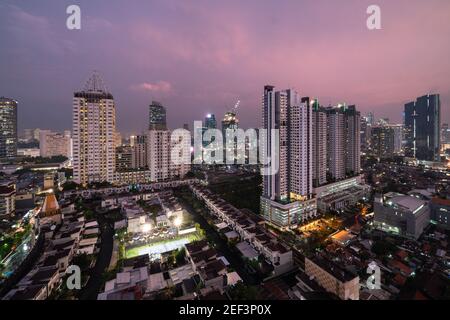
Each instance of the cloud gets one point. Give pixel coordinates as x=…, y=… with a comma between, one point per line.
x=35, y=32
x=159, y=86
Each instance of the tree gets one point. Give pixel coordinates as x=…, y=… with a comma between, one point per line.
x=180, y=256
x=242, y=292
x=70, y=185
x=383, y=247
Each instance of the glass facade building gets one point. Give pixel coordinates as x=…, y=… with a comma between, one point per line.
x=8, y=128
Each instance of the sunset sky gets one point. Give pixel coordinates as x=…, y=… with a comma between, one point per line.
x=202, y=56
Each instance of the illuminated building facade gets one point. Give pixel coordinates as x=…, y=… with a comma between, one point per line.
x=94, y=127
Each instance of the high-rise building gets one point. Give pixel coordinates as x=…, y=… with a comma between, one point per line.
x=352, y=120
x=160, y=163
x=54, y=144
x=319, y=145
x=343, y=141
x=139, y=152
x=8, y=128
x=287, y=195
x=117, y=139
x=124, y=157
x=158, y=154
x=31, y=134
x=445, y=134
x=365, y=134
x=383, y=140
x=229, y=123
x=157, y=116
x=335, y=144
x=370, y=119
x=94, y=127
x=7, y=200
x=210, y=121
x=422, y=128
x=398, y=137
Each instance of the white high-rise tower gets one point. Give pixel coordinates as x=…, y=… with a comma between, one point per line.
x=287, y=195
x=94, y=126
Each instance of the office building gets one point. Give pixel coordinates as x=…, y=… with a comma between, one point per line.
x=402, y=215
x=210, y=121
x=94, y=127
x=422, y=128
x=398, y=137
x=383, y=142
x=370, y=119
x=365, y=135
x=440, y=211
x=157, y=116
x=445, y=134
x=8, y=128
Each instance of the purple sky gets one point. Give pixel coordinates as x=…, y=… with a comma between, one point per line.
x=201, y=56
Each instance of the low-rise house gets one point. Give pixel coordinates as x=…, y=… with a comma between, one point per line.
x=333, y=278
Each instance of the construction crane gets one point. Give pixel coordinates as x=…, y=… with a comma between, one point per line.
x=236, y=106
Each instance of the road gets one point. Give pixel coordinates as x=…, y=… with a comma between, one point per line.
x=95, y=282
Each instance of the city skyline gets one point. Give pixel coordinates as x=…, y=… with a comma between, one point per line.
x=224, y=151
x=381, y=73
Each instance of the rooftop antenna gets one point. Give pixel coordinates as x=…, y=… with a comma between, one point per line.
x=95, y=83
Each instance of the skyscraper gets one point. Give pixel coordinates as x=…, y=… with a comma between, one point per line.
x=210, y=121
x=160, y=162
x=319, y=144
x=335, y=144
x=139, y=152
x=383, y=141
x=422, y=128
x=158, y=154
x=94, y=127
x=343, y=141
x=287, y=195
x=445, y=134
x=157, y=116
x=365, y=134
x=8, y=128
x=352, y=119
x=229, y=123
x=370, y=119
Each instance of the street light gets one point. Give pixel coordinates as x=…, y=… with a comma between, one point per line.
x=178, y=222
x=146, y=228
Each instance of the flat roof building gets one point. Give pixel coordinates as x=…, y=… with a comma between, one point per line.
x=401, y=214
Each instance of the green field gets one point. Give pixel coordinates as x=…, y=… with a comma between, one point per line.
x=157, y=248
